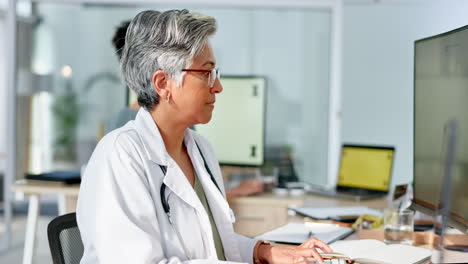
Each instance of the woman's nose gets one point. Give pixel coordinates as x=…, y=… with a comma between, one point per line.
x=217, y=87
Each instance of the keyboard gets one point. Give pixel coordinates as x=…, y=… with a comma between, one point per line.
x=331, y=261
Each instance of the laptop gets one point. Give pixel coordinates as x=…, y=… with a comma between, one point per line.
x=67, y=177
x=364, y=173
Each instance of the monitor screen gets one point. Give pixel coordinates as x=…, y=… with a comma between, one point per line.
x=237, y=127
x=366, y=167
x=131, y=97
x=440, y=95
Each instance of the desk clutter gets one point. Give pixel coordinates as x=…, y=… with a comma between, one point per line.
x=360, y=251
x=373, y=246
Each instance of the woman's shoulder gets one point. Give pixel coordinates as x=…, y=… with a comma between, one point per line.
x=125, y=138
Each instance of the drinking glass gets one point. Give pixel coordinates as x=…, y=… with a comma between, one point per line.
x=398, y=226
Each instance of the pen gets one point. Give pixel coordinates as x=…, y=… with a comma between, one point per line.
x=310, y=234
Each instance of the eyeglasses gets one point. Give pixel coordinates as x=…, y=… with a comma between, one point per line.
x=214, y=74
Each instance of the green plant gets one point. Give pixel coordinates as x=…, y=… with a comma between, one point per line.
x=66, y=112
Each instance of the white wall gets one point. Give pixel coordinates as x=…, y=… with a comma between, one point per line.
x=3, y=94
x=378, y=70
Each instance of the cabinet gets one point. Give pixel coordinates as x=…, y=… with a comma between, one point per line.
x=258, y=214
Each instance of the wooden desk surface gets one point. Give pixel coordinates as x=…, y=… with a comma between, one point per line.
x=268, y=199
x=43, y=187
x=311, y=200
x=323, y=201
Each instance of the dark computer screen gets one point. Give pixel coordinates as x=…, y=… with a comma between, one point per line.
x=440, y=95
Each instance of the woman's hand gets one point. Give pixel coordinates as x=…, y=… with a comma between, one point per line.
x=297, y=255
x=249, y=187
x=245, y=188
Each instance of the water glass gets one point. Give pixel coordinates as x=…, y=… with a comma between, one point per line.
x=398, y=226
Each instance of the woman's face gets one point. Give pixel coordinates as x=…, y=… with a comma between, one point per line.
x=195, y=99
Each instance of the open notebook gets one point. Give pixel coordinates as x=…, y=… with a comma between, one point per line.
x=370, y=251
x=296, y=233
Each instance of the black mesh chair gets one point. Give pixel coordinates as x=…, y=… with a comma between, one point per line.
x=65, y=240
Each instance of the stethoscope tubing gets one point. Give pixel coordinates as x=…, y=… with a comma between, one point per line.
x=165, y=203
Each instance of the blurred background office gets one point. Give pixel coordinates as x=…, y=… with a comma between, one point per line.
x=335, y=72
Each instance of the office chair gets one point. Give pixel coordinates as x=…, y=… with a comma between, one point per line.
x=65, y=240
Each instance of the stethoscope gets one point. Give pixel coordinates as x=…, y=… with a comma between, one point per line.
x=165, y=204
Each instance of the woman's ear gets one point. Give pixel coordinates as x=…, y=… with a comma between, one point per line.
x=160, y=81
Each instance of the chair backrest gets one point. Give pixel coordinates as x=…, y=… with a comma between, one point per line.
x=65, y=240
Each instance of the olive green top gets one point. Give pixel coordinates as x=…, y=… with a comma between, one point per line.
x=217, y=239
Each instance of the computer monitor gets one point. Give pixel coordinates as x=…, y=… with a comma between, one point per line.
x=131, y=97
x=237, y=128
x=440, y=95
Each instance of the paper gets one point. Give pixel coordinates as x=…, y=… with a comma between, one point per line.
x=335, y=212
x=378, y=251
x=298, y=233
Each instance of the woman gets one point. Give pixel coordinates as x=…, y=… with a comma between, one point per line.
x=152, y=191
x=246, y=187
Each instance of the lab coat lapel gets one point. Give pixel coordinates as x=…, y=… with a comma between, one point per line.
x=222, y=216
x=217, y=202
x=174, y=179
x=178, y=184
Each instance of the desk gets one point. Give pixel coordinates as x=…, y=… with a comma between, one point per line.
x=261, y=213
x=258, y=214
x=254, y=214
x=67, y=196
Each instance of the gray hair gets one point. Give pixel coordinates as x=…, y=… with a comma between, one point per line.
x=166, y=41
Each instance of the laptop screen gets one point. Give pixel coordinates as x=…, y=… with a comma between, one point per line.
x=366, y=167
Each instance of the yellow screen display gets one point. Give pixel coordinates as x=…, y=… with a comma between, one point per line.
x=365, y=167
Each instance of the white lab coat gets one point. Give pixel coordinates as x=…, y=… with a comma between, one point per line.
x=120, y=214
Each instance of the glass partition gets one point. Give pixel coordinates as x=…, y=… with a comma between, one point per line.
x=69, y=83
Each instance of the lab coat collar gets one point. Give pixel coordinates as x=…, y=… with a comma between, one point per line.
x=152, y=139
x=176, y=181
